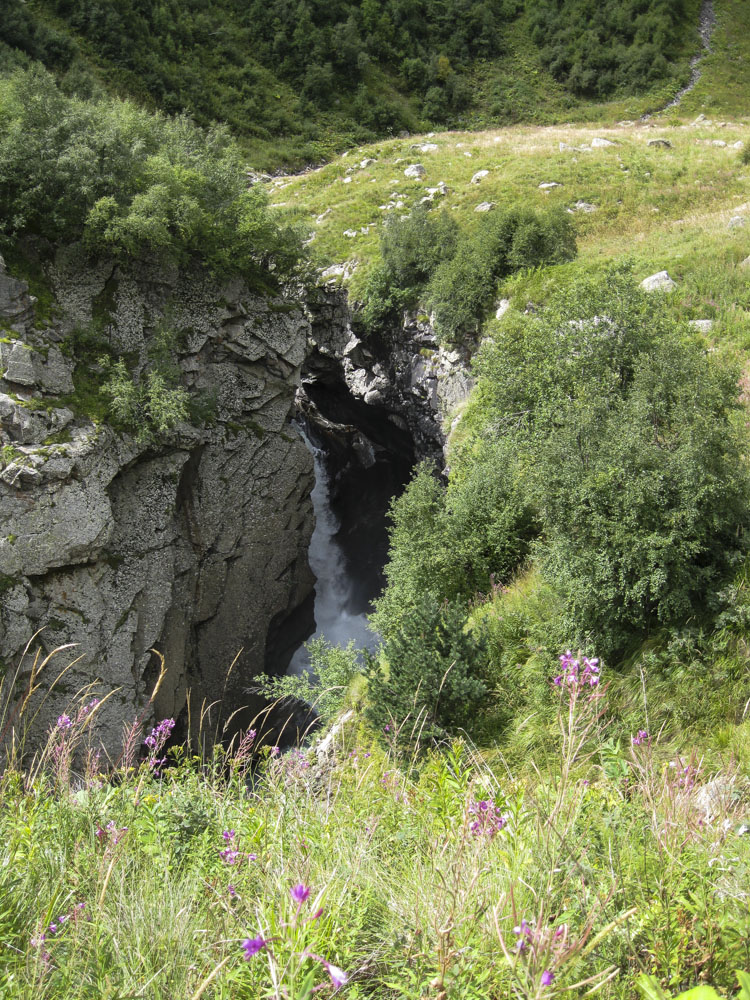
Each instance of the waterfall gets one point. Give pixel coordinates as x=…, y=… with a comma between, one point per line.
x=336, y=616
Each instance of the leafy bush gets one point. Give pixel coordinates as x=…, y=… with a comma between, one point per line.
x=410, y=250
x=626, y=430
x=129, y=182
x=614, y=45
x=463, y=286
x=424, y=256
x=430, y=674
x=149, y=407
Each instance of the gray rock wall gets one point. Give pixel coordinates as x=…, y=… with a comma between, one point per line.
x=192, y=546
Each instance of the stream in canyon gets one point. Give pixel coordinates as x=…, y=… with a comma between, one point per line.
x=342, y=594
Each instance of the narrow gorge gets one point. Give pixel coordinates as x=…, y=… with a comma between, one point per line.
x=195, y=543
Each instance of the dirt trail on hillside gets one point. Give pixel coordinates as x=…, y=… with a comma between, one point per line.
x=706, y=25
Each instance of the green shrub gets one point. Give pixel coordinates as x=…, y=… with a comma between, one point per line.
x=634, y=459
x=132, y=183
x=464, y=285
x=410, y=250
x=430, y=675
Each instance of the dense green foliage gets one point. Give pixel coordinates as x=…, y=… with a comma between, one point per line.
x=612, y=45
x=128, y=182
x=316, y=76
x=606, y=450
x=429, y=678
x=423, y=256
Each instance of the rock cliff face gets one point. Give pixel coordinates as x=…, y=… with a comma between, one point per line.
x=195, y=545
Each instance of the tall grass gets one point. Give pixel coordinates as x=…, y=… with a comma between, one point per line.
x=353, y=866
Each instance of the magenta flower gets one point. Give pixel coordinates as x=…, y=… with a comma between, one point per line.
x=299, y=893
x=251, y=946
x=547, y=978
x=275, y=751
x=64, y=722
x=228, y=835
x=640, y=738
x=338, y=976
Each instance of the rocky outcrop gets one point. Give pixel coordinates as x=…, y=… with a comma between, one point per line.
x=194, y=545
x=404, y=374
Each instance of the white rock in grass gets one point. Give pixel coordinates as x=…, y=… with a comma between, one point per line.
x=426, y=147
x=351, y=233
x=478, y=176
x=415, y=170
x=583, y=206
x=737, y=222
x=367, y=162
x=502, y=307
x=738, y=145
x=323, y=215
x=347, y=180
x=549, y=185
x=704, y=325
x=718, y=142
x=485, y=206
x=659, y=282
x=598, y=143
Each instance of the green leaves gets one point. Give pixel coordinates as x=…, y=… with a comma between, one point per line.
x=649, y=988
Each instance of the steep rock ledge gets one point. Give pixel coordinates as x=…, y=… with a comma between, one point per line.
x=193, y=546
x=196, y=546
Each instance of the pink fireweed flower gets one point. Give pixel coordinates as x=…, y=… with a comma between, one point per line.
x=338, y=976
x=299, y=893
x=488, y=818
x=251, y=946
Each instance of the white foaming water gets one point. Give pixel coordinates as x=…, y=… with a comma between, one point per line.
x=333, y=588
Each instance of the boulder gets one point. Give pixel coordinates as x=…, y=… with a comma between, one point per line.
x=583, y=206
x=367, y=162
x=703, y=325
x=502, y=307
x=718, y=142
x=415, y=170
x=17, y=363
x=478, y=176
x=426, y=147
x=737, y=222
x=485, y=206
x=598, y=143
x=659, y=282
x=549, y=185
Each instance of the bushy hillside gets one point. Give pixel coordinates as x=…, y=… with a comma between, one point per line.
x=295, y=81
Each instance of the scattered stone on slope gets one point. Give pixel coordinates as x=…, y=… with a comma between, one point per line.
x=737, y=222
x=415, y=170
x=367, y=162
x=745, y=263
x=659, y=282
x=479, y=175
x=502, y=307
x=485, y=206
x=718, y=142
x=598, y=143
x=583, y=206
x=426, y=147
x=704, y=325
x=549, y=185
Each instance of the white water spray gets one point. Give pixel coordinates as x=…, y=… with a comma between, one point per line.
x=334, y=619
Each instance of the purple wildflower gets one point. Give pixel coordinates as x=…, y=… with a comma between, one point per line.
x=252, y=946
x=275, y=751
x=299, y=893
x=338, y=976
x=229, y=856
x=641, y=737
x=547, y=978
x=228, y=835
x=64, y=722
x=232, y=891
